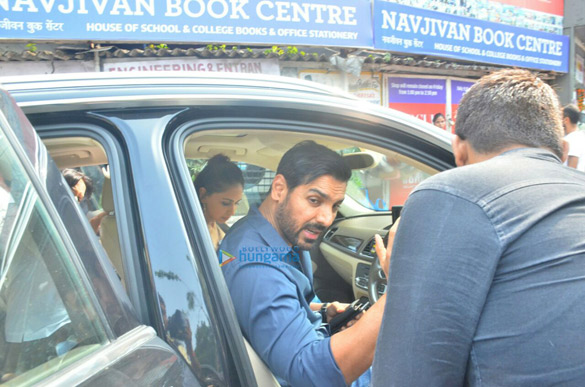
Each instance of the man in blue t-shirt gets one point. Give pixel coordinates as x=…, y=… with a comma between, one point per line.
x=271, y=282
x=487, y=277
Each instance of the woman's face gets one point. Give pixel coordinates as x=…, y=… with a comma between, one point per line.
x=79, y=190
x=440, y=122
x=220, y=206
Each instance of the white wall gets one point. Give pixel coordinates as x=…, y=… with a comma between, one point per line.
x=56, y=67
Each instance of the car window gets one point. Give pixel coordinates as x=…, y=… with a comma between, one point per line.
x=89, y=157
x=257, y=182
x=47, y=320
x=187, y=323
x=386, y=183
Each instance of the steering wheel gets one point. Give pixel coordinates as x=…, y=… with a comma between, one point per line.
x=376, y=281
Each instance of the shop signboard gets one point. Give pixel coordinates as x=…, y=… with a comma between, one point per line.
x=414, y=30
x=299, y=22
x=367, y=86
x=541, y=15
x=420, y=97
x=553, y=7
x=248, y=66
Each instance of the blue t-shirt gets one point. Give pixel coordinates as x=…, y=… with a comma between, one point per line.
x=271, y=286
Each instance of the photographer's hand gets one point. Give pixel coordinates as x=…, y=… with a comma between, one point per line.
x=384, y=252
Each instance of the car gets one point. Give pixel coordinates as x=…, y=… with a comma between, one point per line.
x=148, y=290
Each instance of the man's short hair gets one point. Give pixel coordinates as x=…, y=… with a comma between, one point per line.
x=573, y=113
x=307, y=161
x=510, y=107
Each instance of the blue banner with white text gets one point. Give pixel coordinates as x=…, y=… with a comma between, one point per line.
x=345, y=23
x=414, y=30
x=340, y=23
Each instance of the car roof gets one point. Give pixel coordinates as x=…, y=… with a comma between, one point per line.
x=116, y=78
x=70, y=85
x=93, y=91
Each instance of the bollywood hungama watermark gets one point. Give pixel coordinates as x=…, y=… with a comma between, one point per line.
x=261, y=254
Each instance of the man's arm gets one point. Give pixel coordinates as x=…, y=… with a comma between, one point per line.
x=353, y=348
x=576, y=149
x=443, y=261
x=270, y=315
x=333, y=308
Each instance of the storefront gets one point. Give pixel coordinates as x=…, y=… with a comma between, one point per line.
x=417, y=56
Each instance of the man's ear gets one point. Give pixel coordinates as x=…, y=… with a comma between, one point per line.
x=202, y=192
x=460, y=151
x=279, y=188
x=565, y=156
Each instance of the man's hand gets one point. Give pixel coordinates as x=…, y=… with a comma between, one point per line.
x=335, y=308
x=96, y=221
x=384, y=253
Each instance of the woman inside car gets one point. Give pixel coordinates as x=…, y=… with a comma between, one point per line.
x=219, y=186
x=80, y=184
x=82, y=187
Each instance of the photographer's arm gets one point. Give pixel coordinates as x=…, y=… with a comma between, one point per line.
x=353, y=348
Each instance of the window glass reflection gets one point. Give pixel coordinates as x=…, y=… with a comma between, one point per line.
x=46, y=318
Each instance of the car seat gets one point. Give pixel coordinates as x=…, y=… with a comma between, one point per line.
x=264, y=376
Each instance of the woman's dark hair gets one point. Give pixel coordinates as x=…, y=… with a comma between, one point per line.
x=218, y=175
x=307, y=161
x=437, y=116
x=72, y=177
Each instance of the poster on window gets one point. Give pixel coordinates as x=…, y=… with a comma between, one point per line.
x=420, y=97
x=458, y=89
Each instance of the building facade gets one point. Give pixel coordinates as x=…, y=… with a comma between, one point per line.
x=417, y=56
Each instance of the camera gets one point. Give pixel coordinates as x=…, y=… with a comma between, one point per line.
x=355, y=308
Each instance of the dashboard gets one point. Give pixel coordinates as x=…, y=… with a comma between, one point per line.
x=348, y=246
